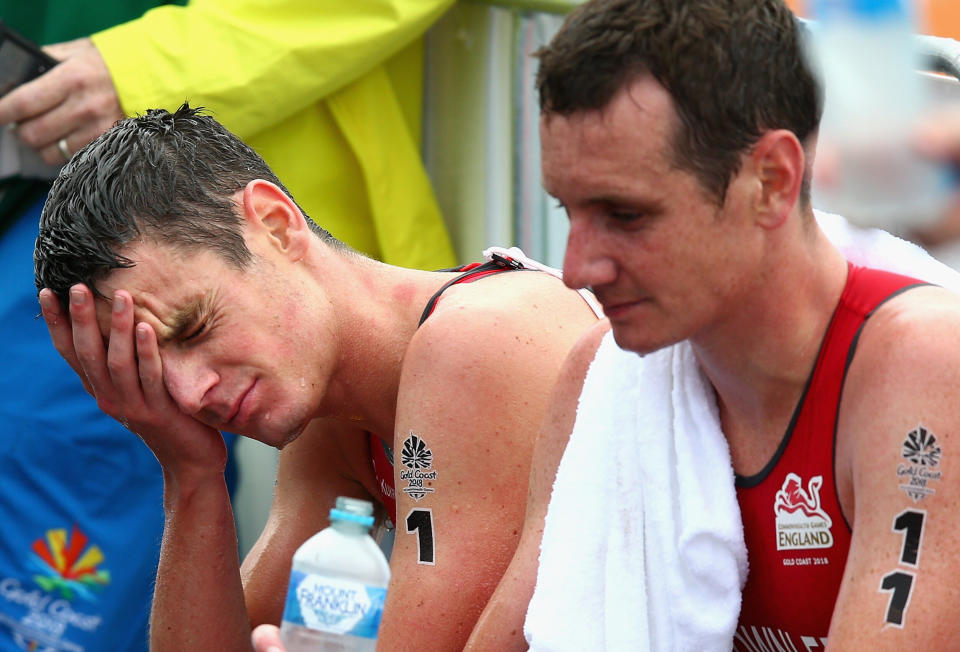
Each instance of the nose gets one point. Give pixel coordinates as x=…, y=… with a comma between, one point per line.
x=188, y=380
x=586, y=263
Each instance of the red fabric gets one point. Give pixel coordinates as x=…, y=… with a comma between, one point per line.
x=383, y=473
x=790, y=592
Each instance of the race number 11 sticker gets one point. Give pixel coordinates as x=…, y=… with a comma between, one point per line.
x=919, y=476
x=899, y=583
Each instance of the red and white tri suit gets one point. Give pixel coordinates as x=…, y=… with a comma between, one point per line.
x=797, y=537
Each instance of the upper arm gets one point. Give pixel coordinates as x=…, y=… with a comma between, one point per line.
x=500, y=627
x=311, y=472
x=473, y=394
x=900, y=453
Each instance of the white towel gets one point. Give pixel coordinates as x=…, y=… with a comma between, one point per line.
x=879, y=249
x=643, y=547
x=635, y=521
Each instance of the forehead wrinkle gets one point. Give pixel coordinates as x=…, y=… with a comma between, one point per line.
x=163, y=296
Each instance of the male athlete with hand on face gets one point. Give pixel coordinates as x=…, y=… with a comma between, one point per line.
x=679, y=136
x=184, y=284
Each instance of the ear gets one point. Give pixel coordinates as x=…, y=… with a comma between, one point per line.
x=271, y=213
x=779, y=162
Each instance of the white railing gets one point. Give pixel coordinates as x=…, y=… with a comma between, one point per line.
x=481, y=142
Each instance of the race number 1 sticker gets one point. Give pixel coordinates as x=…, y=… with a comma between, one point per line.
x=420, y=522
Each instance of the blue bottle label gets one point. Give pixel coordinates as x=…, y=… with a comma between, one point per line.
x=334, y=605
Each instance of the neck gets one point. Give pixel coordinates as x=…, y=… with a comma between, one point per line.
x=759, y=361
x=376, y=310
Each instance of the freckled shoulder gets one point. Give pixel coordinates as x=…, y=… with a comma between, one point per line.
x=520, y=301
x=474, y=387
x=898, y=473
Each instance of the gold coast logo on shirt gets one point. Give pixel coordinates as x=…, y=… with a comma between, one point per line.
x=69, y=567
x=801, y=522
x=48, y=617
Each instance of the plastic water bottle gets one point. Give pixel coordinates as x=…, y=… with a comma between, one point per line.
x=868, y=54
x=338, y=585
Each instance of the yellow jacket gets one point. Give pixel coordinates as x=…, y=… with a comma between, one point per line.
x=327, y=91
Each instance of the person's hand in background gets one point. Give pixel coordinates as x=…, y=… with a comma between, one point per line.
x=61, y=111
x=266, y=638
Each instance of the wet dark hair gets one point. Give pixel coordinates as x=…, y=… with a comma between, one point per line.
x=734, y=68
x=164, y=176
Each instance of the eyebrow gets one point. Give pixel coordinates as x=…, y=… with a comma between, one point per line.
x=646, y=205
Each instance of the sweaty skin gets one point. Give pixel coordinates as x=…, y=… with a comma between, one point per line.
x=185, y=345
x=669, y=264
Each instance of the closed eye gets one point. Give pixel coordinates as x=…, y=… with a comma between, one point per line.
x=632, y=213
x=625, y=216
x=196, y=332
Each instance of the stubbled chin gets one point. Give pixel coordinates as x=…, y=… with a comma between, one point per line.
x=636, y=344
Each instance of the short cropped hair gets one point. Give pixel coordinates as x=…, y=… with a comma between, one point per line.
x=734, y=68
x=164, y=176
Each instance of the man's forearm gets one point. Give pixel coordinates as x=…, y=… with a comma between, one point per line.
x=198, y=602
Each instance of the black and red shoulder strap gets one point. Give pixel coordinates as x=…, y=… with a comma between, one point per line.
x=470, y=273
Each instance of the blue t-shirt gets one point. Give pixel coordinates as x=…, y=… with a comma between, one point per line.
x=81, y=507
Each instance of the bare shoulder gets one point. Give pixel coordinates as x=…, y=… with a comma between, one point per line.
x=563, y=403
x=584, y=351
x=898, y=473
x=504, y=321
x=916, y=311
x=559, y=419
x=501, y=625
x=905, y=372
x=474, y=387
x=909, y=344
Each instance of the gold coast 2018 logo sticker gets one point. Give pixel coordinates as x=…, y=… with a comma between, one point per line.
x=417, y=458
x=919, y=472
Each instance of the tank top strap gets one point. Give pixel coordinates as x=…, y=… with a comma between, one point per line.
x=470, y=273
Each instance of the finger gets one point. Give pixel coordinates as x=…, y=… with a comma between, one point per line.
x=121, y=355
x=61, y=333
x=88, y=107
x=43, y=132
x=58, y=153
x=74, y=141
x=32, y=99
x=151, y=369
x=66, y=121
x=88, y=343
x=266, y=638
x=66, y=49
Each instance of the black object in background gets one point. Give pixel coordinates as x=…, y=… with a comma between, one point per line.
x=20, y=59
